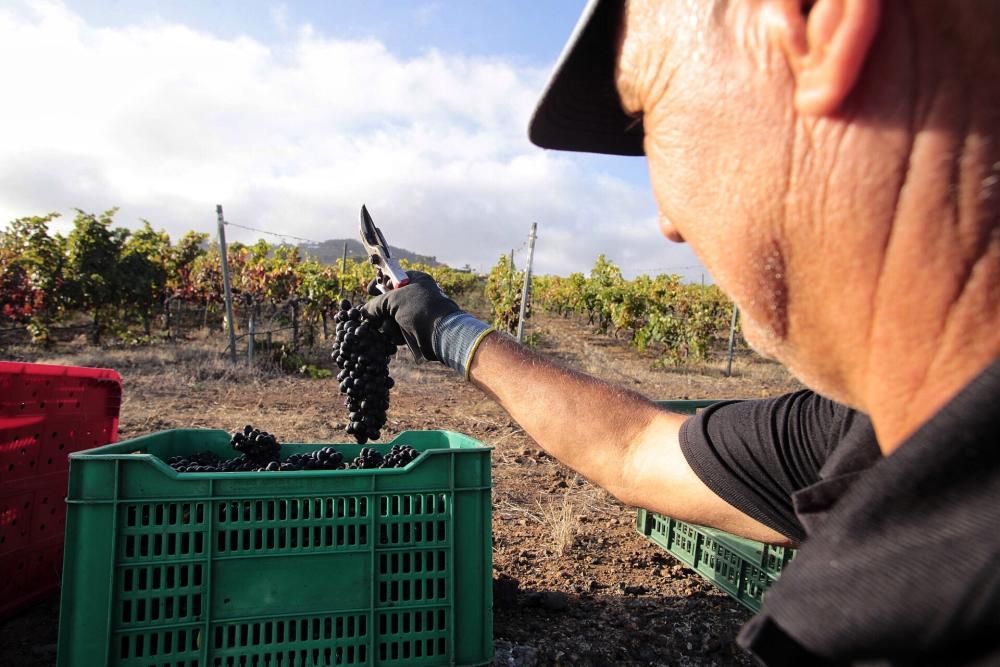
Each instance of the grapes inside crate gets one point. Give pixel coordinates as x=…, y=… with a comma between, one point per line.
x=254, y=450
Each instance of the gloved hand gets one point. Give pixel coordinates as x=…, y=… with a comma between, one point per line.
x=432, y=325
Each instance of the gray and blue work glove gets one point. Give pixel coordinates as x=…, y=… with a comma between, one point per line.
x=421, y=315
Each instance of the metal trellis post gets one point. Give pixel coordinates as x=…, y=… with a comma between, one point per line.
x=227, y=289
x=527, y=282
x=732, y=340
x=343, y=270
x=251, y=334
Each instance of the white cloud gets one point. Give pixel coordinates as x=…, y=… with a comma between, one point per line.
x=165, y=121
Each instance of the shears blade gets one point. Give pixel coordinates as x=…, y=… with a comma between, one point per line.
x=389, y=273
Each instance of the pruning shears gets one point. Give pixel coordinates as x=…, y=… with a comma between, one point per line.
x=388, y=273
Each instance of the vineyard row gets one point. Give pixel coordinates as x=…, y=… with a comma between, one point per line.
x=683, y=320
x=125, y=281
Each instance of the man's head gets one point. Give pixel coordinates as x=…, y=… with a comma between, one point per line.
x=803, y=150
x=731, y=97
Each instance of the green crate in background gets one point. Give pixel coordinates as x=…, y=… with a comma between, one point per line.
x=742, y=568
x=688, y=406
x=303, y=568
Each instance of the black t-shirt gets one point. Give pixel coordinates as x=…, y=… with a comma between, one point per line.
x=757, y=454
x=900, y=555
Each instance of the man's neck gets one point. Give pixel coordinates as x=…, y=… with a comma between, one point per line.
x=936, y=312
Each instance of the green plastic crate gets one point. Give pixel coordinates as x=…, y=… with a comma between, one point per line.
x=688, y=406
x=741, y=567
x=290, y=569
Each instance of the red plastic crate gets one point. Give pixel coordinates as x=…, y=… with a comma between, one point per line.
x=46, y=412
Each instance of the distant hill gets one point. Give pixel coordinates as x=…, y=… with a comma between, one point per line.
x=330, y=252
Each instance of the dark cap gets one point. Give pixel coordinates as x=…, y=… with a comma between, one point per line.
x=580, y=109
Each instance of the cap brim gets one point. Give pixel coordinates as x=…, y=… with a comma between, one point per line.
x=580, y=109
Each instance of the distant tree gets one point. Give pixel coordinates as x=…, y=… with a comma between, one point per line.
x=144, y=263
x=33, y=272
x=93, y=250
x=17, y=295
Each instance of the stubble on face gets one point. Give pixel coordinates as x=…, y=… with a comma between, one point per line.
x=766, y=316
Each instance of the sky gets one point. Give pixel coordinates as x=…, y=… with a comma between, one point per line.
x=291, y=115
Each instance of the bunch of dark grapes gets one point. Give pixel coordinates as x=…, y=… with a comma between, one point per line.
x=241, y=464
x=326, y=458
x=257, y=446
x=208, y=462
x=397, y=457
x=200, y=462
x=362, y=353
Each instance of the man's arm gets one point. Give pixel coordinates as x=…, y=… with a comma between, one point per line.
x=612, y=436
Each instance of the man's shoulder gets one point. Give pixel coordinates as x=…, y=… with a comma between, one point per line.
x=892, y=532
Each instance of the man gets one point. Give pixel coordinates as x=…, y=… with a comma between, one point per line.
x=836, y=165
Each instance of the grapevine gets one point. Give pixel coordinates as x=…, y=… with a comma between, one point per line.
x=503, y=291
x=682, y=320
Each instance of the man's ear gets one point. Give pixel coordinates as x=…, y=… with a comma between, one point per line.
x=826, y=43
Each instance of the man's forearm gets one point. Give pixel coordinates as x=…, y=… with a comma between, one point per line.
x=586, y=423
x=614, y=437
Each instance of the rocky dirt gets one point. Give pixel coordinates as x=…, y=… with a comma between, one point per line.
x=574, y=583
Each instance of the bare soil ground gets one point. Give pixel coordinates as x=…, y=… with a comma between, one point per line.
x=575, y=584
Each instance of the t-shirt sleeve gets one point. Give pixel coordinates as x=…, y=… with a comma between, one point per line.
x=756, y=454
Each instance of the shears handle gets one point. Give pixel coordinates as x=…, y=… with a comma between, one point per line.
x=389, y=274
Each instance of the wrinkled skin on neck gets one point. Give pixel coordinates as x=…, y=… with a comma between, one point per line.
x=863, y=245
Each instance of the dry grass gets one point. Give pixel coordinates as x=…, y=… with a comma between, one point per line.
x=561, y=522
x=197, y=360
x=559, y=517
